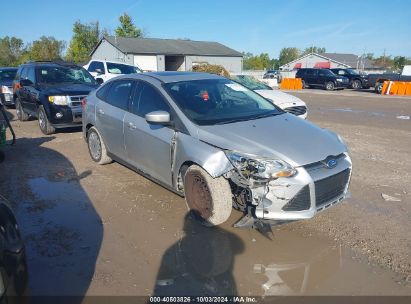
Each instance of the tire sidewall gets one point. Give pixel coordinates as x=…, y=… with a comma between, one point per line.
x=93, y=130
x=41, y=111
x=329, y=86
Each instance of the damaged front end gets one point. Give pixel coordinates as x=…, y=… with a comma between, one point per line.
x=271, y=191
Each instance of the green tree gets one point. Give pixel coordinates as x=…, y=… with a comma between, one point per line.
x=288, y=54
x=384, y=61
x=85, y=38
x=369, y=56
x=11, y=49
x=257, y=62
x=399, y=62
x=46, y=48
x=314, y=49
x=127, y=28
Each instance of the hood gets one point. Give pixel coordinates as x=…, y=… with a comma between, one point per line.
x=280, y=98
x=285, y=136
x=68, y=89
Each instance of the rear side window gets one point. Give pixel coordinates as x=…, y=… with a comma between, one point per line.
x=311, y=72
x=118, y=94
x=95, y=65
x=148, y=99
x=102, y=92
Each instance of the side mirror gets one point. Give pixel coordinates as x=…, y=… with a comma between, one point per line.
x=99, y=71
x=158, y=117
x=25, y=82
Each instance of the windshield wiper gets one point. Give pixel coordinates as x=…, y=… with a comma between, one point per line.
x=247, y=118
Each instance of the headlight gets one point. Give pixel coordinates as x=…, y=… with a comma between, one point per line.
x=5, y=90
x=59, y=100
x=259, y=168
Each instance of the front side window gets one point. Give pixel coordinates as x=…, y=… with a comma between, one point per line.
x=119, y=93
x=326, y=73
x=219, y=101
x=31, y=75
x=64, y=74
x=148, y=99
x=311, y=72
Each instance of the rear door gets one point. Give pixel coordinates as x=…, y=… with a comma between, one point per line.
x=110, y=114
x=31, y=91
x=311, y=77
x=148, y=146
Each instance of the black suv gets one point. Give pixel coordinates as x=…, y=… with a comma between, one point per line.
x=321, y=78
x=356, y=80
x=51, y=92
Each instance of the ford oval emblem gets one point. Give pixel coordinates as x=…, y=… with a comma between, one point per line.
x=330, y=163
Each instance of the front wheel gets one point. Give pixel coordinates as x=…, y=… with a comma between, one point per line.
x=21, y=115
x=356, y=85
x=210, y=199
x=329, y=86
x=45, y=126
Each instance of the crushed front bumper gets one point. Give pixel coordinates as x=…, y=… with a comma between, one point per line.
x=313, y=189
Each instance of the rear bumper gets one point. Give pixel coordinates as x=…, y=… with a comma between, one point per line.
x=313, y=189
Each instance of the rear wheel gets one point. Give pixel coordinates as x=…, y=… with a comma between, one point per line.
x=21, y=115
x=304, y=85
x=210, y=199
x=45, y=126
x=378, y=87
x=356, y=84
x=329, y=86
x=96, y=147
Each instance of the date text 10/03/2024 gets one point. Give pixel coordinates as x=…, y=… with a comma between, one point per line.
x=199, y=299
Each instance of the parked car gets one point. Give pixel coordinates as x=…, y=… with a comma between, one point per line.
x=287, y=102
x=271, y=74
x=322, y=78
x=217, y=143
x=103, y=70
x=377, y=80
x=13, y=265
x=51, y=92
x=6, y=85
x=356, y=80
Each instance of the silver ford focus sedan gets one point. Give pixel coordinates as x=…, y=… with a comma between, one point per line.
x=218, y=144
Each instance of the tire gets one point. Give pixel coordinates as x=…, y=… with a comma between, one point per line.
x=21, y=115
x=329, y=86
x=44, y=124
x=378, y=87
x=356, y=84
x=304, y=85
x=96, y=147
x=210, y=199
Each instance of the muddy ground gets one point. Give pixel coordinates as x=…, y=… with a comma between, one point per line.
x=105, y=230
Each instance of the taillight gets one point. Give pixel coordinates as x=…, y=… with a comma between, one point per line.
x=83, y=103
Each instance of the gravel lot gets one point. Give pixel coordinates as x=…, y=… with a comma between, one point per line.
x=105, y=230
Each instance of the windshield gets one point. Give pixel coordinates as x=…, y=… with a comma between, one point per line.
x=118, y=68
x=251, y=83
x=219, y=101
x=64, y=74
x=7, y=75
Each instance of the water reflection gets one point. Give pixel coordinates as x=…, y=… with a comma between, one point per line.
x=200, y=263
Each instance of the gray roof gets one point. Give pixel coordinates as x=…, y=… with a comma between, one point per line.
x=171, y=47
x=350, y=59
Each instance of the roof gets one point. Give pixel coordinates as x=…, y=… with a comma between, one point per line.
x=349, y=60
x=170, y=47
x=168, y=77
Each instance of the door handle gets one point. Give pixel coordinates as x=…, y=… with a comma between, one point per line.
x=132, y=126
x=100, y=111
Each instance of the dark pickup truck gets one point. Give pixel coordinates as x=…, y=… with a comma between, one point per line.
x=377, y=80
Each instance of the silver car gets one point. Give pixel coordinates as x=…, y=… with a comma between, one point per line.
x=218, y=144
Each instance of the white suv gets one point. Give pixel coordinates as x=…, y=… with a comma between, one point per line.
x=103, y=70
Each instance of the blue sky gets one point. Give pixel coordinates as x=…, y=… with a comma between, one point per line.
x=346, y=26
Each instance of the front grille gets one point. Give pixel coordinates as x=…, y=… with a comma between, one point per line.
x=320, y=164
x=299, y=110
x=301, y=201
x=76, y=100
x=331, y=187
